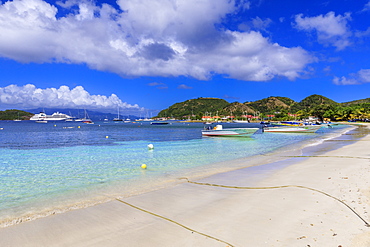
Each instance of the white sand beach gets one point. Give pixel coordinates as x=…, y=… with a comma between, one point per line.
x=201, y=215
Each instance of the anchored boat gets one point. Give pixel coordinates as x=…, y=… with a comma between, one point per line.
x=56, y=116
x=219, y=131
x=293, y=129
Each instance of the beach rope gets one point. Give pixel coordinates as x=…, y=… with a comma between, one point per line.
x=280, y=187
x=325, y=156
x=175, y=222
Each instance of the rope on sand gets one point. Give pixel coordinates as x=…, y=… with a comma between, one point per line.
x=279, y=187
x=326, y=156
x=177, y=223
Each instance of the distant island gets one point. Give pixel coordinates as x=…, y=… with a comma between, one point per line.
x=77, y=113
x=271, y=108
x=15, y=115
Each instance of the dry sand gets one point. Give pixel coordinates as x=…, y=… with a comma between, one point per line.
x=227, y=216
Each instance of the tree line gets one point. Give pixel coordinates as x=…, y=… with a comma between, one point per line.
x=272, y=108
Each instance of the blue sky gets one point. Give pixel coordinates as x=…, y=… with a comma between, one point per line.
x=143, y=56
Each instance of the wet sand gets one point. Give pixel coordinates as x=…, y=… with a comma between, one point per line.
x=200, y=215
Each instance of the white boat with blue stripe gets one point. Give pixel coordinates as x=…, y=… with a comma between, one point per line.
x=293, y=129
x=219, y=131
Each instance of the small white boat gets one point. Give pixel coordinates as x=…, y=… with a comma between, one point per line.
x=41, y=121
x=219, y=131
x=293, y=129
x=18, y=119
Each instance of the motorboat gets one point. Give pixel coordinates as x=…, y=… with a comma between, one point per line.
x=241, y=121
x=41, y=121
x=159, y=123
x=293, y=129
x=218, y=130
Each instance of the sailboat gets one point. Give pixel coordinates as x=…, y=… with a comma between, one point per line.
x=86, y=119
x=70, y=119
x=18, y=119
x=117, y=118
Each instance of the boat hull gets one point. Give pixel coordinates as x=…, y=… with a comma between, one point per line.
x=298, y=129
x=159, y=123
x=242, y=132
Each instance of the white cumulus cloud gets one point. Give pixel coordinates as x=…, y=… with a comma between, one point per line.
x=361, y=77
x=331, y=29
x=28, y=97
x=145, y=38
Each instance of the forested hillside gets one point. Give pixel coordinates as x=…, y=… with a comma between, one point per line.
x=15, y=114
x=274, y=107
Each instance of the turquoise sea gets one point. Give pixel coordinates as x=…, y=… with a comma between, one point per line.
x=55, y=167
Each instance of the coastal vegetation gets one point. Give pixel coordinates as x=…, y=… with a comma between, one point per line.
x=271, y=108
x=15, y=114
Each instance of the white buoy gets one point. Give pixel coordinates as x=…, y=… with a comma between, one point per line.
x=150, y=146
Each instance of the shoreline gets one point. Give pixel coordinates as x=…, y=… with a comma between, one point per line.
x=286, y=217
x=68, y=202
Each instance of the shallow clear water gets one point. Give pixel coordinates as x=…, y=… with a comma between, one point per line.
x=46, y=167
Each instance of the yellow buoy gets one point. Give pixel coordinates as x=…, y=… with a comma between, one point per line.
x=143, y=166
x=106, y=136
x=78, y=127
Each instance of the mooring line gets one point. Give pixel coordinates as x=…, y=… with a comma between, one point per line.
x=325, y=156
x=279, y=187
x=346, y=140
x=175, y=222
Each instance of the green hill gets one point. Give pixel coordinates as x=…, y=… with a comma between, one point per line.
x=355, y=102
x=271, y=104
x=311, y=102
x=237, y=109
x=15, y=114
x=314, y=100
x=282, y=107
x=194, y=107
